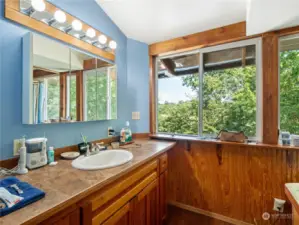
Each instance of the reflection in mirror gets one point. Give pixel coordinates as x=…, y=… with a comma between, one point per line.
x=50, y=66
x=67, y=85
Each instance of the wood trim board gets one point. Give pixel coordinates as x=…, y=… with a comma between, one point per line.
x=270, y=88
x=207, y=213
x=13, y=14
x=220, y=35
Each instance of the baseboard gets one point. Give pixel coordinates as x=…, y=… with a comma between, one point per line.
x=12, y=162
x=207, y=213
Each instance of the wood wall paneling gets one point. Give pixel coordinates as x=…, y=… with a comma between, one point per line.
x=178, y=216
x=12, y=13
x=242, y=187
x=270, y=88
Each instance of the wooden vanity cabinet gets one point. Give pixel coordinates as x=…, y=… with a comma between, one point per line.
x=122, y=217
x=134, y=199
x=69, y=216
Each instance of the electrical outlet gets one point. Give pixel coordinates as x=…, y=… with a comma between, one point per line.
x=135, y=115
x=17, y=144
x=278, y=205
x=109, y=133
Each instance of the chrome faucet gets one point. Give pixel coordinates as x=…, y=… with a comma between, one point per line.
x=87, y=153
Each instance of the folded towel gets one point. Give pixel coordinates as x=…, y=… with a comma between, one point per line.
x=29, y=193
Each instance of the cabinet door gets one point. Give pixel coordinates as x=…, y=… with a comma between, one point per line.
x=121, y=217
x=66, y=217
x=146, y=205
x=163, y=196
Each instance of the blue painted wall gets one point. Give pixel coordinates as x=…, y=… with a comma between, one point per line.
x=138, y=83
x=132, y=64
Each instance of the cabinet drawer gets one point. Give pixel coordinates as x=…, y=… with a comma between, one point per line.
x=99, y=199
x=163, y=161
x=121, y=217
x=99, y=216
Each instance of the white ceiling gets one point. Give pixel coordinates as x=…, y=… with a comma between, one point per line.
x=278, y=13
x=152, y=21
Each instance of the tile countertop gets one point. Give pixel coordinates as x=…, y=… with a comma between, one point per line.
x=65, y=185
x=292, y=192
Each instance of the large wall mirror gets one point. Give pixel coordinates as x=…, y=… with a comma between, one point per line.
x=64, y=85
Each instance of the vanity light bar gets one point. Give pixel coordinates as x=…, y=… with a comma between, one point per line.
x=76, y=26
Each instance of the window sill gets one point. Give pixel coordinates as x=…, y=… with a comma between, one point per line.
x=212, y=141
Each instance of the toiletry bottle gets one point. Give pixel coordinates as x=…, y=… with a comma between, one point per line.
x=128, y=132
x=123, y=136
x=50, y=155
x=22, y=160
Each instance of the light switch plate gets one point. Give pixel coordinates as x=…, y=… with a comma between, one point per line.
x=16, y=146
x=135, y=115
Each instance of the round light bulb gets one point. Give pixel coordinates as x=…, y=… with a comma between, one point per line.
x=91, y=33
x=112, y=45
x=60, y=16
x=102, y=39
x=77, y=25
x=38, y=5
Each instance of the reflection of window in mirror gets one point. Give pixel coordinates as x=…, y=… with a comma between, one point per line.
x=100, y=94
x=112, y=95
x=46, y=96
x=71, y=97
x=90, y=96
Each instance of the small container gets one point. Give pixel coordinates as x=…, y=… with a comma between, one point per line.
x=295, y=140
x=50, y=155
x=83, y=147
x=286, y=138
x=115, y=145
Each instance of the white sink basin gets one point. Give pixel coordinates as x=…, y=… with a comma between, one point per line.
x=103, y=160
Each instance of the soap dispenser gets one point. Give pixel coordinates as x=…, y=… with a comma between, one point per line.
x=126, y=134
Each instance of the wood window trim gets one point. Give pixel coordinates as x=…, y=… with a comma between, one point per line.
x=12, y=12
x=222, y=35
x=79, y=95
x=63, y=94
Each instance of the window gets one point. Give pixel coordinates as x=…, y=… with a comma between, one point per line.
x=90, y=95
x=71, y=96
x=211, y=89
x=289, y=84
x=100, y=94
x=178, y=98
x=52, y=97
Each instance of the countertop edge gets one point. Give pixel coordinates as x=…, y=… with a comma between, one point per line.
x=291, y=198
x=80, y=196
x=218, y=142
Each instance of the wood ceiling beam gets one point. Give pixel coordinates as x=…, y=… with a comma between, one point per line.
x=225, y=34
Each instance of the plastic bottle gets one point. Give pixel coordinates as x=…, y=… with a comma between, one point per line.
x=22, y=160
x=128, y=132
x=50, y=155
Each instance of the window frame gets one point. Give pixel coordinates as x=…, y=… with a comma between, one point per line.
x=259, y=85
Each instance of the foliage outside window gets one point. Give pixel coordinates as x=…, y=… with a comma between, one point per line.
x=100, y=94
x=71, y=97
x=289, y=84
x=203, y=93
x=52, y=97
